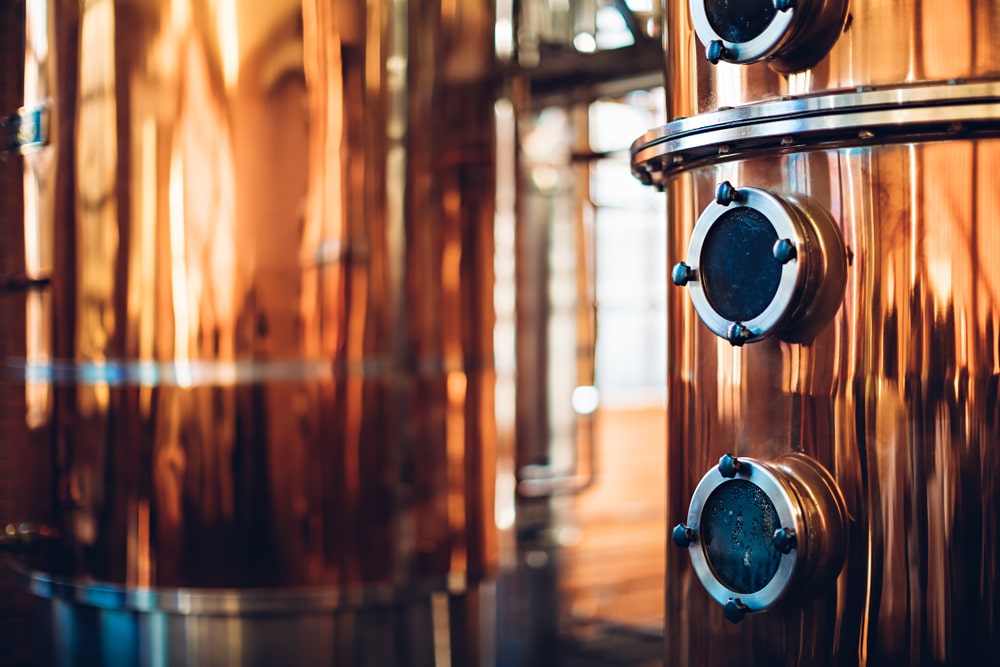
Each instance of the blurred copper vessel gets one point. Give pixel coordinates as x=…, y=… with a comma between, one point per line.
x=258, y=266
x=830, y=213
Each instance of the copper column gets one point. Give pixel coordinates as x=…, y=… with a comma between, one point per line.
x=833, y=354
x=260, y=337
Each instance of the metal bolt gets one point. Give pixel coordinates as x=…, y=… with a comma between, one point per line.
x=682, y=274
x=715, y=52
x=644, y=176
x=683, y=536
x=784, y=250
x=726, y=194
x=735, y=610
x=783, y=5
x=784, y=540
x=729, y=466
x=737, y=334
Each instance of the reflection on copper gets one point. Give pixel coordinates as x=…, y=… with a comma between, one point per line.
x=897, y=396
x=38, y=248
x=268, y=346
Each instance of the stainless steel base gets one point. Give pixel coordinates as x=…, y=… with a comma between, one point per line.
x=90, y=625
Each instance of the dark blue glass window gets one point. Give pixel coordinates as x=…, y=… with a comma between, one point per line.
x=737, y=527
x=738, y=269
x=739, y=20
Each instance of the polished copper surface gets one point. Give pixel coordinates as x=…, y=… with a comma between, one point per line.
x=265, y=358
x=882, y=43
x=897, y=397
x=23, y=463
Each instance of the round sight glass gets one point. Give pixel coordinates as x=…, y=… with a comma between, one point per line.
x=737, y=529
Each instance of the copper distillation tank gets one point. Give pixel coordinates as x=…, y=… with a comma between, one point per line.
x=257, y=286
x=834, y=336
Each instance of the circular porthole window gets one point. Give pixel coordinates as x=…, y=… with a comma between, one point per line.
x=760, y=533
x=739, y=21
x=760, y=264
x=793, y=33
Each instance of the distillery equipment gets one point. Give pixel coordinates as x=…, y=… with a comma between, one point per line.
x=257, y=287
x=833, y=331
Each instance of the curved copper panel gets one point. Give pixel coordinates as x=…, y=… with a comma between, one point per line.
x=882, y=43
x=897, y=397
x=266, y=354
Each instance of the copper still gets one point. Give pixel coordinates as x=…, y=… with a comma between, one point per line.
x=834, y=336
x=258, y=303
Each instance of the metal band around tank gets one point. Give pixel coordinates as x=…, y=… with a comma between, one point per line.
x=862, y=117
x=789, y=514
x=224, y=602
x=186, y=373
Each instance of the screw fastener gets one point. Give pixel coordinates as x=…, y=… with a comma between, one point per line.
x=726, y=194
x=683, y=536
x=737, y=334
x=735, y=610
x=784, y=540
x=682, y=274
x=729, y=466
x=715, y=52
x=784, y=250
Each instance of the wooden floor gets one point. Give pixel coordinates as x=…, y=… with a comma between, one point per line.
x=614, y=561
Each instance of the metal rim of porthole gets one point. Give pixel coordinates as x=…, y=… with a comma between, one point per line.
x=792, y=273
x=762, y=45
x=789, y=515
x=763, y=534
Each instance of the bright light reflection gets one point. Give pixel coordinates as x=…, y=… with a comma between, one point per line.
x=586, y=399
x=584, y=42
x=228, y=41
x=504, y=513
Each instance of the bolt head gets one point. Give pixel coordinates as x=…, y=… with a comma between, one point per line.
x=737, y=334
x=683, y=536
x=715, y=51
x=784, y=540
x=784, y=250
x=726, y=194
x=735, y=610
x=682, y=274
x=729, y=466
